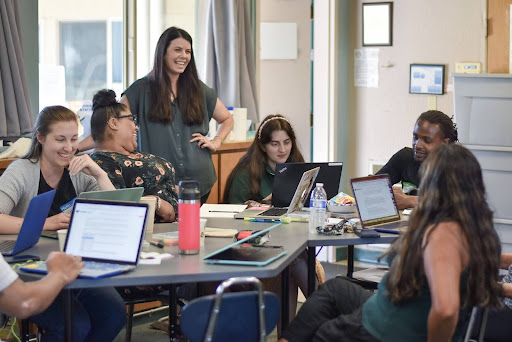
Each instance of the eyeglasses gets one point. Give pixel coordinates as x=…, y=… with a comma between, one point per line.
x=133, y=116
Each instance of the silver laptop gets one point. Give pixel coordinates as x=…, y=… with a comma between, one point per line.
x=107, y=235
x=299, y=198
x=127, y=195
x=376, y=203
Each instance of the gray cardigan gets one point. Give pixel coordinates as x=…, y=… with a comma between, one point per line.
x=20, y=182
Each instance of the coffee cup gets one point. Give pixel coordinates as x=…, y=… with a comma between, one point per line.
x=150, y=217
x=62, y=234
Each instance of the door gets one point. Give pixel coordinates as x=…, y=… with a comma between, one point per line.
x=498, y=36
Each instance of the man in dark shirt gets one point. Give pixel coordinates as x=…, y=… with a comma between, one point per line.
x=432, y=129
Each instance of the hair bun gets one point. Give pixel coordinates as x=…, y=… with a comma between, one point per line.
x=103, y=98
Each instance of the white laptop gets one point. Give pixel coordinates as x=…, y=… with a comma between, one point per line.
x=107, y=235
x=299, y=198
x=376, y=203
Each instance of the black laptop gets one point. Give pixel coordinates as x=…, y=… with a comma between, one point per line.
x=288, y=175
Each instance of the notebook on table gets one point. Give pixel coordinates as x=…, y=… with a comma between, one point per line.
x=288, y=175
x=32, y=225
x=376, y=204
x=242, y=253
x=297, y=202
x=127, y=195
x=107, y=235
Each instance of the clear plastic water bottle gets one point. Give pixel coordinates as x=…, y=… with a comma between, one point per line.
x=317, y=208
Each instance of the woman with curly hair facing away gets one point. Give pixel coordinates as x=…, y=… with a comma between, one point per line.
x=445, y=263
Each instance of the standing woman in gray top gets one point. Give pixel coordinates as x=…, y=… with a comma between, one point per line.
x=174, y=109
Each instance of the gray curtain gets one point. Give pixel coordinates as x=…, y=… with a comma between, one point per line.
x=226, y=53
x=15, y=112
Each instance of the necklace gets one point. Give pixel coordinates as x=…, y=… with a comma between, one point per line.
x=173, y=97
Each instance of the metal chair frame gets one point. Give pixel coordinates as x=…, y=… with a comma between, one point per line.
x=218, y=301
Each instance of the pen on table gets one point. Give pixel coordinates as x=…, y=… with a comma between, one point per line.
x=267, y=246
x=223, y=211
x=159, y=244
x=252, y=219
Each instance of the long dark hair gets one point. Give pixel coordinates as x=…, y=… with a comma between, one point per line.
x=48, y=116
x=254, y=161
x=451, y=189
x=104, y=107
x=189, y=94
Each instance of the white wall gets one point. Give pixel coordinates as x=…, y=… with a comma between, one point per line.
x=424, y=31
x=284, y=85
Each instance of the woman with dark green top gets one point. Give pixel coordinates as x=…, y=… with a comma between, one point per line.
x=174, y=108
x=115, y=134
x=253, y=176
x=446, y=263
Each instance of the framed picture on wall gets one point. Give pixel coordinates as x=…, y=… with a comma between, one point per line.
x=426, y=79
x=378, y=24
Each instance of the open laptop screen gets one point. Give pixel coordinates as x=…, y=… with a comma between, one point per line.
x=375, y=200
x=106, y=231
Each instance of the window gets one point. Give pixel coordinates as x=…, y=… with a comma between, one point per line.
x=80, y=50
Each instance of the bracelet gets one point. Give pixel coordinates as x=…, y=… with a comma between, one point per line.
x=158, y=202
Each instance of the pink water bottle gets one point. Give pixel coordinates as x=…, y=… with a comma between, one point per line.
x=188, y=217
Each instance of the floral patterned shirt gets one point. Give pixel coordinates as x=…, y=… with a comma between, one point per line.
x=154, y=174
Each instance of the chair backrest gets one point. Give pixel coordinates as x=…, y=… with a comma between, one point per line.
x=477, y=324
x=236, y=316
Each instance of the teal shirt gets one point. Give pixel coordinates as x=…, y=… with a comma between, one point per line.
x=240, y=191
x=405, y=322
x=172, y=141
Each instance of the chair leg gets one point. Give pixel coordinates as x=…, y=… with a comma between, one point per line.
x=129, y=323
x=25, y=330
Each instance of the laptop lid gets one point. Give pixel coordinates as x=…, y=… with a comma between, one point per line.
x=288, y=175
x=375, y=200
x=303, y=190
x=33, y=222
x=106, y=231
x=127, y=195
x=237, y=254
x=301, y=194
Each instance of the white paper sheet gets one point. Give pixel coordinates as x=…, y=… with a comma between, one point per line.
x=366, y=68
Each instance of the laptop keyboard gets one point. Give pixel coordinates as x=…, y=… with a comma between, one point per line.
x=274, y=212
x=94, y=265
x=7, y=245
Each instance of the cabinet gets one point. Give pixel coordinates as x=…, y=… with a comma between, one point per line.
x=483, y=112
x=225, y=160
x=4, y=163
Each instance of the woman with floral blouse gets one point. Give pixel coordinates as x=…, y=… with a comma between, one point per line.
x=114, y=131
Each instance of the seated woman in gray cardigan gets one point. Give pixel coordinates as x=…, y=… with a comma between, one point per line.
x=51, y=164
